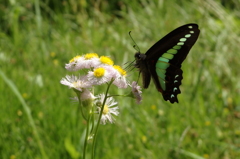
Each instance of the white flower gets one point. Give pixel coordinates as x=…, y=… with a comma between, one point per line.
x=120, y=77
x=73, y=63
x=75, y=82
x=89, y=60
x=120, y=82
x=109, y=109
x=136, y=90
x=99, y=76
x=106, y=61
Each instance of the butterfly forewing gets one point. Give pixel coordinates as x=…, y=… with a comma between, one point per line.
x=172, y=39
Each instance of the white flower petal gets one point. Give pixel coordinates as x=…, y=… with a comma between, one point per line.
x=76, y=82
x=112, y=109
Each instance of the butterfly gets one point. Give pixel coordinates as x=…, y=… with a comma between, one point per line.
x=162, y=62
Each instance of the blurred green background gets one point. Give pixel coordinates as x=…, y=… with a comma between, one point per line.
x=37, y=38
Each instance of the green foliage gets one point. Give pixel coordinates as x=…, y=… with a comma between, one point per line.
x=38, y=38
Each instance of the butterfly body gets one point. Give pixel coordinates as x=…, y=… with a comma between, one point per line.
x=162, y=62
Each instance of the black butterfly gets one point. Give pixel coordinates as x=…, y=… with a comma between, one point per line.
x=163, y=61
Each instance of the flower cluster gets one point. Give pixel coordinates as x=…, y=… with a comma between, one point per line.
x=101, y=70
x=98, y=71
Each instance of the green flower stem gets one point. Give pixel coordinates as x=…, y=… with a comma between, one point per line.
x=81, y=109
x=89, y=121
x=99, y=119
x=80, y=104
x=87, y=133
x=92, y=121
x=28, y=112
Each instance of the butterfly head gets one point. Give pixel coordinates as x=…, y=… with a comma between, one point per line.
x=139, y=57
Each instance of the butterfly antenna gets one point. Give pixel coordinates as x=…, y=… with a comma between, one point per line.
x=135, y=46
x=130, y=65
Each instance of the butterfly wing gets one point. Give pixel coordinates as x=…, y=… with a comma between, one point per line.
x=165, y=57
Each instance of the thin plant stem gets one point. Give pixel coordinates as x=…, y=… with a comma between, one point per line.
x=87, y=133
x=82, y=112
x=38, y=15
x=92, y=121
x=99, y=119
x=80, y=104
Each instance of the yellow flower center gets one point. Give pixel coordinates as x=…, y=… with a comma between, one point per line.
x=153, y=107
x=52, y=54
x=74, y=84
x=120, y=70
x=144, y=139
x=25, y=95
x=206, y=156
x=105, y=109
x=90, y=55
x=99, y=72
x=74, y=59
x=106, y=60
x=55, y=62
x=207, y=123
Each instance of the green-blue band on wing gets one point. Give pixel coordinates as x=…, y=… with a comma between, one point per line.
x=161, y=78
x=162, y=83
x=163, y=59
x=160, y=73
x=168, y=56
x=172, y=51
x=162, y=65
x=177, y=47
x=183, y=39
x=188, y=36
x=180, y=43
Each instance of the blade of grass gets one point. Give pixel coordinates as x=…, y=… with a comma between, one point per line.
x=27, y=110
x=190, y=154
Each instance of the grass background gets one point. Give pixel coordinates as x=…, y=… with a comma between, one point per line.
x=37, y=38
